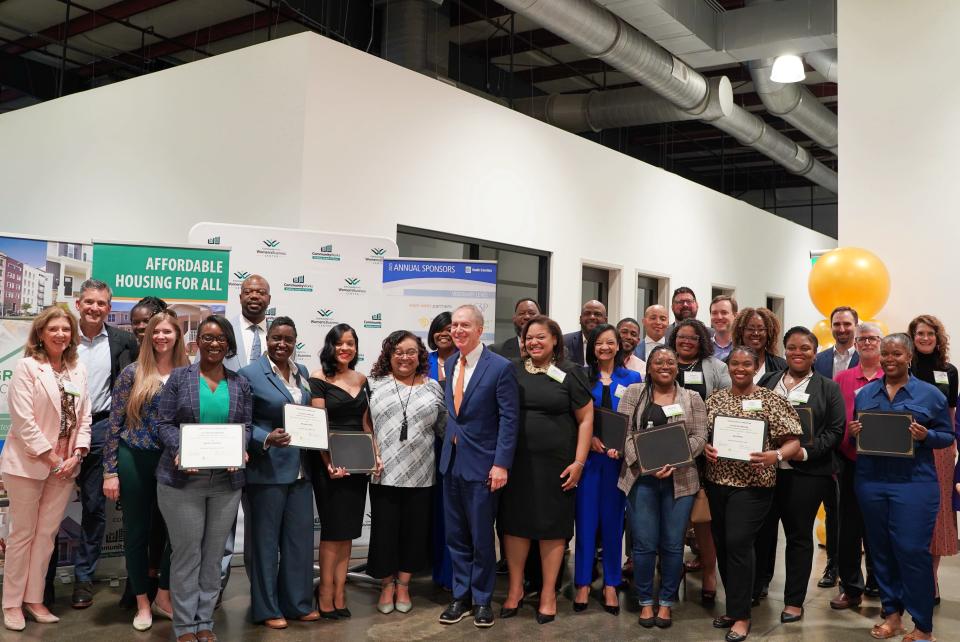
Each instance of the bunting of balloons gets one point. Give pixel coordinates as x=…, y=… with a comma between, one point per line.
x=848, y=276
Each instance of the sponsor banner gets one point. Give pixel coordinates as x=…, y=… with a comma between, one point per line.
x=417, y=290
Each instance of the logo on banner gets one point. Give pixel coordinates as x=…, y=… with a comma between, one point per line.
x=466, y=268
x=324, y=318
x=352, y=286
x=375, y=321
x=302, y=352
x=297, y=284
x=376, y=255
x=213, y=240
x=270, y=248
x=237, y=278
x=326, y=253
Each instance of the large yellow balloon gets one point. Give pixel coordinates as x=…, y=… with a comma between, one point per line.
x=849, y=276
x=821, y=330
x=884, y=329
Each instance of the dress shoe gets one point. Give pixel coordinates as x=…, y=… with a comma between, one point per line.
x=844, y=601
x=829, y=579
x=663, y=622
x=508, y=613
x=543, y=618
x=206, y=635
x=329, y=615
x=14, y=622
x=723, y=622
x=82, y=595
x=787, y=618
x=275, y=623
x=731, y=636
x=385, y=607
x=483, y=616
x=312, y=616
x=456, y=611
x=40, y=618
x=343, y=613
x=404, y=607
x=142, y=622
x=647, y=622
x=871, y=588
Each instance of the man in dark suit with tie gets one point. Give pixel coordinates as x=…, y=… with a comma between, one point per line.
x=523, y=311
x=482, y=403
x=592, y=314
x=843, y=354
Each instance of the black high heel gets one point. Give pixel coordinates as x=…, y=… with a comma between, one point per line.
x=543, y=618
x=708, y=598
x=612, y=610
x=506, y=613
x=344, y=612
x=329, y=615
x=580, y=607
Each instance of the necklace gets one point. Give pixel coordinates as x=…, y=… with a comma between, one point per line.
x=688, y=368
x=403, y=405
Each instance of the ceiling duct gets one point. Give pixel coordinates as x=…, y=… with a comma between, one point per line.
x=601, y=34
x=824, y=61
x=795, y=104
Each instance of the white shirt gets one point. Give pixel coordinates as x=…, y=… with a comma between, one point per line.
x=650, y=344
x=762, y=371
x=248, y=327
x=841, y=360
x=472, y=357
x=95, y=356
x=636, y=364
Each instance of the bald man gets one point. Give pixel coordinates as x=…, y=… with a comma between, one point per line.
x=592, y=314
x=655, y=321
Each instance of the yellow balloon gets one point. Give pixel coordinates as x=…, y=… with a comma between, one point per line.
x=822, y=533
x=849, y=276
x=884, y=329
x=822, y=331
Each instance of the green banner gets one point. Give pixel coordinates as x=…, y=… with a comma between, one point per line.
x=171, y=273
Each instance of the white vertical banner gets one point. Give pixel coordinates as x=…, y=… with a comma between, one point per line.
x=417, y=290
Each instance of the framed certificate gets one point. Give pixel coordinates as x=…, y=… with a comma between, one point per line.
x=306, y=425
x=206, y=446
x=736, y=437
x=352, y=450
x=806, y=424
x=610, y=428
x=886, y=434
x=665, y=445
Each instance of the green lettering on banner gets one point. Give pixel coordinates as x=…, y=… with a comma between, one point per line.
x=171, y=273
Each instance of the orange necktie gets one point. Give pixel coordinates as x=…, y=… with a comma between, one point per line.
x=458, y=388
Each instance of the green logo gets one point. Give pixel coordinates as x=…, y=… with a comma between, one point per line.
x=324, y=313
x=271, y=243
x=352, y=281
x=379, y=251
x=301, y=345
x=241, y=275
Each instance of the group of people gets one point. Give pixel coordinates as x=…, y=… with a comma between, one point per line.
x=473, y=444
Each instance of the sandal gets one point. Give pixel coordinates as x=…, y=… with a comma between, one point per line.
x=883, y=632
x=912, y=637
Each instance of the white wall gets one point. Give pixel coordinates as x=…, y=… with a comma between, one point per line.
x=305, y=131
x=899, y=136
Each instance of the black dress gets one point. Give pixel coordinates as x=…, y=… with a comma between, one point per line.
x=533, y=505
x=340, y=502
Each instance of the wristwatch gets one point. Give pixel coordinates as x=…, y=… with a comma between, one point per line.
x=779, y=456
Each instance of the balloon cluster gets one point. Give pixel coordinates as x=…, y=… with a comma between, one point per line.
x=848, y=276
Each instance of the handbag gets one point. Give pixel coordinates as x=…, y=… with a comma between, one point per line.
x=700, y=513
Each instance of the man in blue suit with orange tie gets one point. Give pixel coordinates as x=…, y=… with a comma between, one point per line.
x=482, y=403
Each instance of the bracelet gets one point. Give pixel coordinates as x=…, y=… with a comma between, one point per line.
x=110, y=475
x=577, y=461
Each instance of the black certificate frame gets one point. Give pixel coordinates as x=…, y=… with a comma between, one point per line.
x=806, y=424
x=349, y=450
x=766, y=432
x=651, y=456
x=905, y=451
x=611, y=429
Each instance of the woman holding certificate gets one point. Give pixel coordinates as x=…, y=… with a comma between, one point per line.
x=759, y=330
x=659, y=504
x=279, y=501
x=900, y=496
x=556, y=424
x=340, y=495
x=752, y=430
x=408, y=414
x=600, y=504
x=803, y=481
x=200, y=504
x=132, y=451
x=49, y=435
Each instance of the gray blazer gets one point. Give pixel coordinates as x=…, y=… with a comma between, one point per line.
x=715, y=375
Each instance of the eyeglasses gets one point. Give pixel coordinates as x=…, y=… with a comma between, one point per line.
x=409, y=354
x=756, y=331
x=213, y=338
x=688, y=339
x=868, y=339
x=685, y=302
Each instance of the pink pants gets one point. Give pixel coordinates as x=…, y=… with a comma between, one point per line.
x=36, y=510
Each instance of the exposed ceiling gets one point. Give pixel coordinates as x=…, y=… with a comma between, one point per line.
x=50, y=48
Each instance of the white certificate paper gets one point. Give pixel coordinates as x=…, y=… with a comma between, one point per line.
x=307, y=426
x=737, y=437
x=211, y=446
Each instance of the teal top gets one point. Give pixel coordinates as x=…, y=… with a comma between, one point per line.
x=214, y=404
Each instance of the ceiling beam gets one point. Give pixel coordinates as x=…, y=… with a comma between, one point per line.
x=523, y=41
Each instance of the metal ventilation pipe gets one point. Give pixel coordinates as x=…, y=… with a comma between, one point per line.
x=410, y=36
x=795, y=104
x=601, y=34
x=824, y=61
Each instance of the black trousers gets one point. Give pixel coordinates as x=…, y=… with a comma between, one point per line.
x=399, y=530
x=796, y=500
x=831, y=506
x=737, y=517
x=851, y=540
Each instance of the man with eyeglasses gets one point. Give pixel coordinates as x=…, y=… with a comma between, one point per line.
x=851, y=536
x=843, y=353
x=684, y=305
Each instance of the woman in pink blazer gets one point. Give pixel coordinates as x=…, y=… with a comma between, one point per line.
x=49, y=436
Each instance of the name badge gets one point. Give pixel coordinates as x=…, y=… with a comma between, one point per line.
x=71, y=388
x=619, y=391
x=940, y=377
x=798, y=397
x=750, y=405
x=673, y=410
x=691, y=377
x=556, y=374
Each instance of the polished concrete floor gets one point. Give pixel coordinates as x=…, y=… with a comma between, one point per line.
x=105, y=622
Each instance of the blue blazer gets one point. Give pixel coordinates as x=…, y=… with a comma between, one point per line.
x=486, y=427
x=273, y=465
x=823, y=362
x=433, y=371
x=620, y=377
x=180, y=404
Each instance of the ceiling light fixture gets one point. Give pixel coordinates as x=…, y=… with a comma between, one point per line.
x=787, y=69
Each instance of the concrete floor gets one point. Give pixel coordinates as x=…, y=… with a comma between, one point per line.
x=105, y=622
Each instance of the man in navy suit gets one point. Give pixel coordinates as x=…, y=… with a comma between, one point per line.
x=592, y=314
x=843, y=354
x=482, y=403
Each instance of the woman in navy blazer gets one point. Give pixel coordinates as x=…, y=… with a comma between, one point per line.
x=279, y=496
x=200, y=507
x=440, y=341
x=600, y=504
